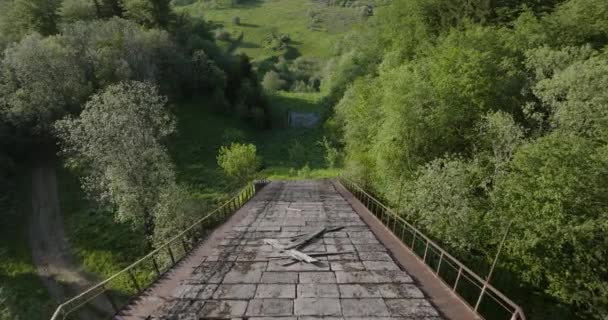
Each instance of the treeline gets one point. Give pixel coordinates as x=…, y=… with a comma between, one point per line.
x=471, y=115
x=97, y=78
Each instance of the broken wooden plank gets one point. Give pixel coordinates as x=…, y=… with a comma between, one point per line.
x=295, y=254
x=317, y=254
x=294, y=238
x=304, y=241
x=275, y=244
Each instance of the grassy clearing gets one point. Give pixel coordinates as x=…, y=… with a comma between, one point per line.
x=26, y=297
x=202, y=131
x=262, y=18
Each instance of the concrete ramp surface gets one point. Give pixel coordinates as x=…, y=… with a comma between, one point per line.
x=236, y=275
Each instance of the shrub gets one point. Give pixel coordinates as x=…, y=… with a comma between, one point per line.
x=302, y=86
x=236, y=21
x=272, y=82
x=222, y=35
x=297, y=152
x=284, y=38
x=75, y=10
x=305, y=172
x=331, y=154
x=239, y=161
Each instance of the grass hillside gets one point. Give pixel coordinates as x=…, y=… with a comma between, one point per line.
x=311, y=36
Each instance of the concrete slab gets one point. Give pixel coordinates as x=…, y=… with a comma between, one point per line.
x=317, y=307
x=318, y=290
x=364, y=307
x=266, y=291
x=270, y=307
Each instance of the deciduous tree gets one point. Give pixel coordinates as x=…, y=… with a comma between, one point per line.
x=117, y=142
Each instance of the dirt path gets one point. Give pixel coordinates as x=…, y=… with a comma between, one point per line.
x=51, y=250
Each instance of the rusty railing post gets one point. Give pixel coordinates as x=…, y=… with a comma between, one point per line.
x=134, y=280
x=184, y=245
x=457, y=279
x=155, y=264
x=439, y=263
x=171, y=255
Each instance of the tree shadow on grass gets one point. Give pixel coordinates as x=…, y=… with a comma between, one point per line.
x=291, y=53
x=249, y=25
x=246, y=4
x=249, y=45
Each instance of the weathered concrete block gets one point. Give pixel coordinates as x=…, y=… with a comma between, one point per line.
x=280, y=277
x=317, y=277
x=360, y=291
x=410, y=308
x=401, y=290
x=235, y=291
x=375, y=256
x=223, y=309
x=318, y=290
x=380, y=265
x=245, y=272
x=364, y=307
x=317, y=307
x=370, y=247
x=266, y=291
x=270, y=307
x=347, y=266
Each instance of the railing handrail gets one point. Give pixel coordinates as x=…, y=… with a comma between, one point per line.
x=152, y=253
x=486, y=286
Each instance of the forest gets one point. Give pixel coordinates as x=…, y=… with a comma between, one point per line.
x=472, y=118
x=469, y=116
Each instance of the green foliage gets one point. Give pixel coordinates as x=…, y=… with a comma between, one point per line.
x=150, y=13
x=116, y=50
x=117, y=140
x=222, y=35
x=208, y=76
x=499, y=136
x=489, y=112
x=298, y=152
x=239, y=161
x=175, y=212
x=39, y=83
x=443, y=198
x=75, y=10
x=231, y=135
x=556, y=196
x=332, y=154
x=22, y=17
x=272, y=82
x=304, y=172
x=574, y=94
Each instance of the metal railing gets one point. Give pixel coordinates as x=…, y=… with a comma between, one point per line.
x=104, y=300
x=485, y=300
